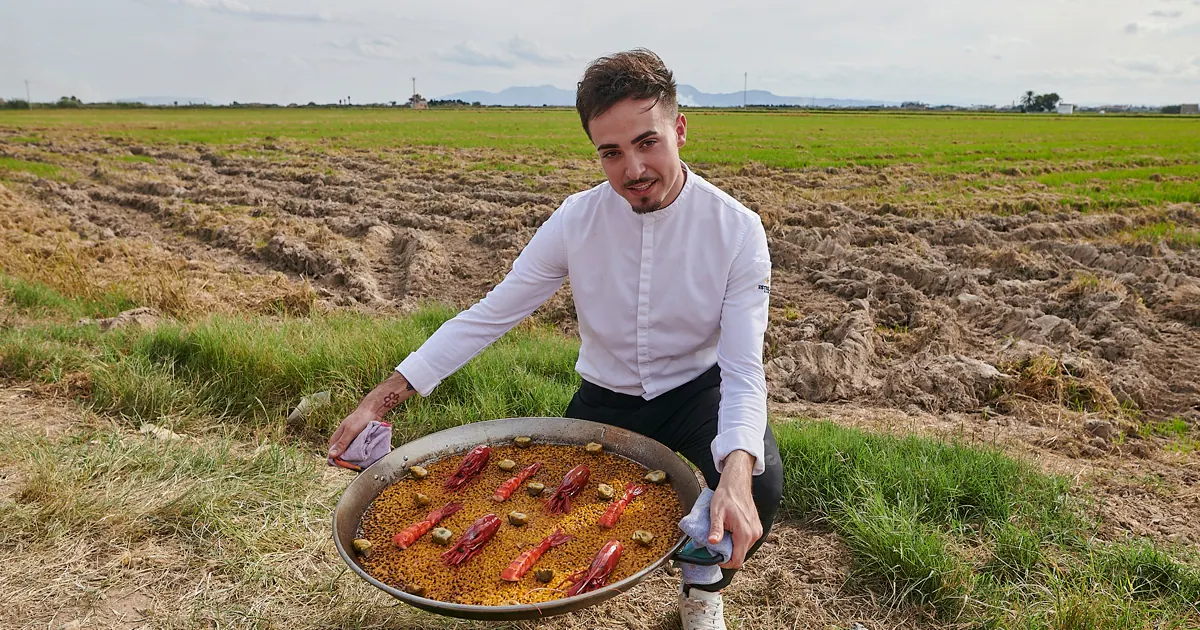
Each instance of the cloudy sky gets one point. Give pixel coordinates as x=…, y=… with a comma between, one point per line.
x=282, y=51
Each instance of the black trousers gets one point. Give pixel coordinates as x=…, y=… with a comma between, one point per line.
x=685, y=420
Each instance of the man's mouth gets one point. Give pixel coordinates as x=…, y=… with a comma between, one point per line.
x=641, y=187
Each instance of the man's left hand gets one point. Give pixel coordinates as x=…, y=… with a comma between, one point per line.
x=732, y=508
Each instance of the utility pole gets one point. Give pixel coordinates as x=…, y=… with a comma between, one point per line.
x=414, y=89
x=28, y=101
x=745, y=79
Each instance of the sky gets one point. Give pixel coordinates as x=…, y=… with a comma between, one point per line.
x=297, y=51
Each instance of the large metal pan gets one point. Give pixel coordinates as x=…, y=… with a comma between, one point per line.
x=355, y=499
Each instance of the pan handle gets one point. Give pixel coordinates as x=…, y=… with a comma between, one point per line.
x=692, y=554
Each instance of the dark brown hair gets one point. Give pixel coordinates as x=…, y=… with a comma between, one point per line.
x=636, y=74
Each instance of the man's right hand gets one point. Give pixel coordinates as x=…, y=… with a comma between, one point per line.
x=374, y=406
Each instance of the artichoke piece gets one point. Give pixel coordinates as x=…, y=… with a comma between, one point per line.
x=656, y=476
x=415, y=589
x=523, y=441
x=422, y=499
x=441, y=535
x=544, y=575
x=594, y=447
x=418, y=472
x=534, y=488
x=643, y=537
x=362, y=546
x=518, y=518
x=605, y=491
x=506, y=465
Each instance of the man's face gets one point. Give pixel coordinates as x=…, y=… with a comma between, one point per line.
x=639, y=150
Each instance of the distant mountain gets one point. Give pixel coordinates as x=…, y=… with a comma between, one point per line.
x=165, y=100
x=536, y=96
x=532, y=96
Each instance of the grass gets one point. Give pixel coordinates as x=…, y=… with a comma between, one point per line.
x=976, y=536
x=41, y=169
x=963, y=532
x=1178, y=237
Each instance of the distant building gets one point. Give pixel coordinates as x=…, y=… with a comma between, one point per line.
x=1189, y=108
x=1066, y=108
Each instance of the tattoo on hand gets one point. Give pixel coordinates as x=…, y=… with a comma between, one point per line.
x=389, y=401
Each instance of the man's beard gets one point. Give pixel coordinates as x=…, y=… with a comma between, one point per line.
x=647, y=206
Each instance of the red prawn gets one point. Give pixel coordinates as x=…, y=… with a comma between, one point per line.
x=473, y=540
x=613, y=513
x=506, y=489
x=572, y=484
x=597, y=574
x=470, y=467
x=529, y=557
x=411, y=533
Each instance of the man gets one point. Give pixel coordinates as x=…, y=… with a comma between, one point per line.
x=671, y=281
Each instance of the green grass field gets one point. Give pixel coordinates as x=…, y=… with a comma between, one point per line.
x=952, y=142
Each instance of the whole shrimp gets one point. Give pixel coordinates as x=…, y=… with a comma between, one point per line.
x=411, y=533
x=610, y=516
x=506, y=489
x=572, y=484
x=471, y=465
x=597, y=574
x=529, y=557
x=473, y=540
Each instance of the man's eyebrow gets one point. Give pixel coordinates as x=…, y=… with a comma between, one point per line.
x=643, y=136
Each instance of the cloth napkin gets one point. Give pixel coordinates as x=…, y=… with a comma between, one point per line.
x=368, y=447
x=696, y=525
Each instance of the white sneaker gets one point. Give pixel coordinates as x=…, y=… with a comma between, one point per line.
x=701, y=610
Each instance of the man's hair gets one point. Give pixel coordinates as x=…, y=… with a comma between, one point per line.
x=637, y=74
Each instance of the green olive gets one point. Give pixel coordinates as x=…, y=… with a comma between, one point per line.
x=656, y=476
x=506, y=464
x=362, y=546
x=441, y=535
x=605, y=491
x=422, y=499
x=534, y=488
x=643, y=537
x=418, y=472
x=523, y=441
x=518, y=518
x=544, y=575
x=594, y=447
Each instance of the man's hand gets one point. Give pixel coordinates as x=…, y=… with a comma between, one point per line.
x=732, y=508
x=374, y=406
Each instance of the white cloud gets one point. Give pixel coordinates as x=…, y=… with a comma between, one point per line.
x=372, y=47
x=1166, y=14
x=469, y=54
x=532, y=52
x=239, y=9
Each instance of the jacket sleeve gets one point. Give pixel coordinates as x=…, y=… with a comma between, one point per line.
x=742, y=415
x=539, y=270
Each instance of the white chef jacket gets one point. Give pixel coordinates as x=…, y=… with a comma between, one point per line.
x=660, y=298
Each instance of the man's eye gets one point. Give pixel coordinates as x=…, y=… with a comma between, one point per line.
x=647, y=144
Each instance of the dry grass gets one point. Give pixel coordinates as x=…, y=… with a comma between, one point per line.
x=42, y=247
x=118, y=529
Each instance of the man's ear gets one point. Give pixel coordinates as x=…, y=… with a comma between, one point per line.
x=681, y=129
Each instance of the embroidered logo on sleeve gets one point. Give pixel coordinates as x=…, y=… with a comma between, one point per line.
x=765, y=285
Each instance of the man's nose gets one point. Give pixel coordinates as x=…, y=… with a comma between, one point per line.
x=634, y=168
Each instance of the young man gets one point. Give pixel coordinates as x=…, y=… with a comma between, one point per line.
x=671, y=281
